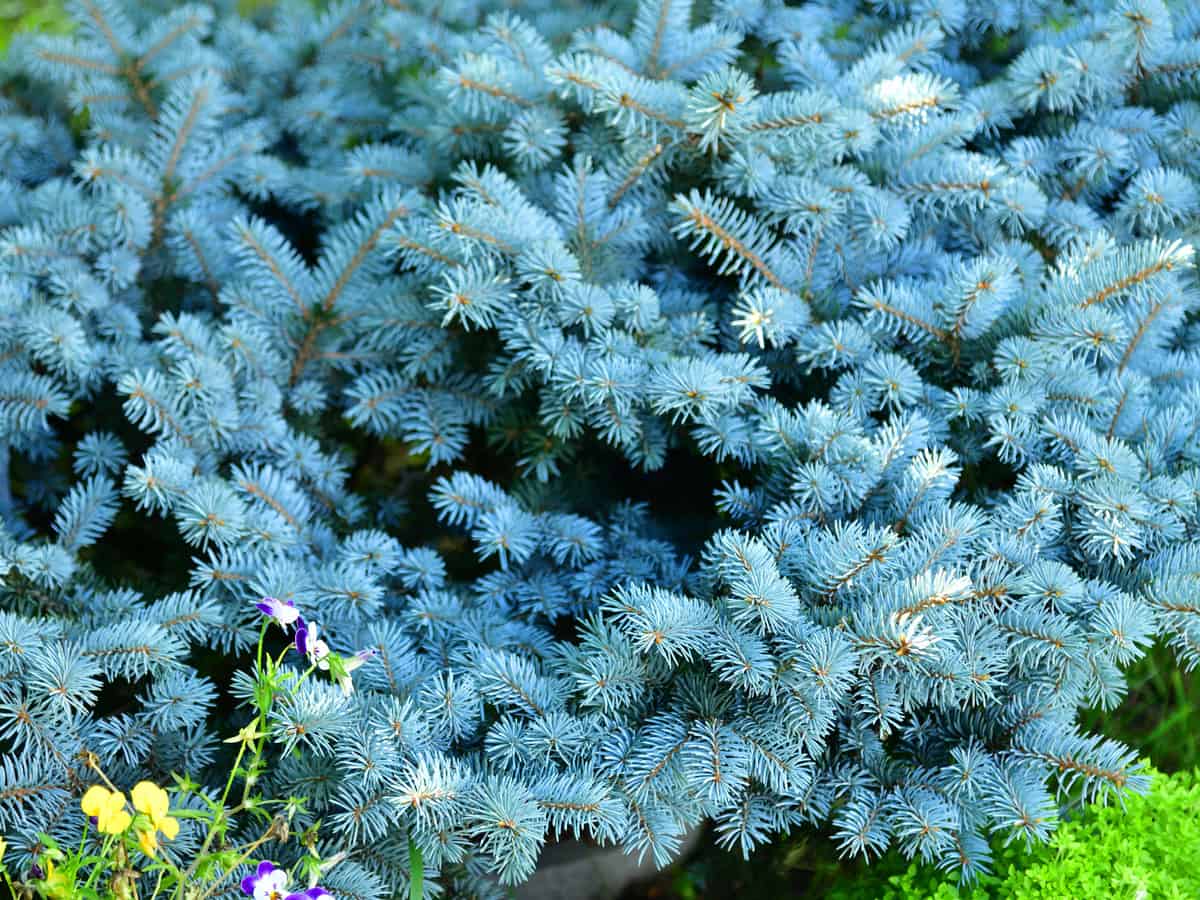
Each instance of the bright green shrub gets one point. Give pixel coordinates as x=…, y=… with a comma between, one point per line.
x=1149, y=850
x=30, y=15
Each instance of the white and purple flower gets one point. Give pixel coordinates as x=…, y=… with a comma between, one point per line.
x=282, y=611
x=270, y=883
x=310, y=645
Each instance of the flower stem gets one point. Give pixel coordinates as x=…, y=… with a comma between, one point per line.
x=249, y=849
x=104, y=857
x=262, y=636
x=220, y=812
x=416, y=872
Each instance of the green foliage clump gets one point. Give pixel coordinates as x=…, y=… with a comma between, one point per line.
x=1150, y=849
x=23, y=15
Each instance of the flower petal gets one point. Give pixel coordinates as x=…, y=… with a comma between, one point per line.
x=148, y=842
x=111, y=817
x=150, y=799
x=359, y=658
x=93, y=800
x=273, y=883
x=282, y=611
x=302, y=637
x=169, y=826
x=116, y=821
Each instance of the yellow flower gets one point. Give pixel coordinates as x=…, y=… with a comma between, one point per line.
x=148, y=841
x=56, y=885
x=153, y=802
x=109, y=809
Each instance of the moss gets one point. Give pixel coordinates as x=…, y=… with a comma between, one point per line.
x=1150, y=850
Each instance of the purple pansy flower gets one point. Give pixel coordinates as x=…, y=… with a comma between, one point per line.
x=282, y=611
x=267, y=882
x=270, y=883
x=308, y=644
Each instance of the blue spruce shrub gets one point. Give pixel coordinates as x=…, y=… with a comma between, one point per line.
x=781, y=416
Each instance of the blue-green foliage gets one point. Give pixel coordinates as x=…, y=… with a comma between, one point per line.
x=916, y=277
